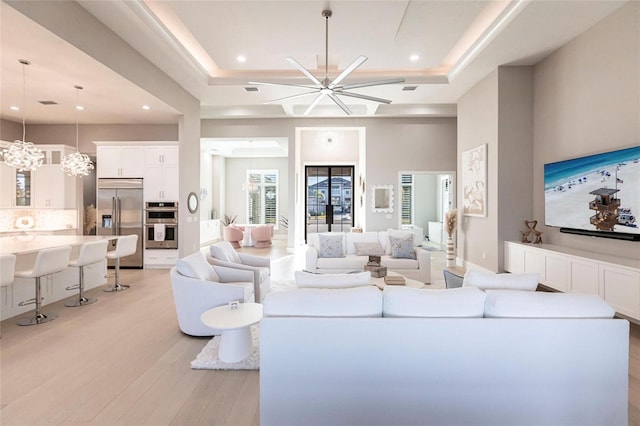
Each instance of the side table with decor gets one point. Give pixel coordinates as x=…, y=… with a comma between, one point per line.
x=453, y=276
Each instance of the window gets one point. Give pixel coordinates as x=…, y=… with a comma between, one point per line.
x=262, y=205
x=406, y=190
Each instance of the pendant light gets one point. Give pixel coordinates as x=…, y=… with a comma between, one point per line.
x=77, y=164
x=20, y=154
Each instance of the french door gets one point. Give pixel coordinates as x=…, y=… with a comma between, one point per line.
x=329, y=199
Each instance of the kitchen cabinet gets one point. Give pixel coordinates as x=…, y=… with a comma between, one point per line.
x=53, y=188
x=615, y=279
x=160, y=259
x=46, y=187
x=120, y=161
x=161, y=176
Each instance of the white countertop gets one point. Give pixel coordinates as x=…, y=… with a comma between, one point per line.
x=21, y=244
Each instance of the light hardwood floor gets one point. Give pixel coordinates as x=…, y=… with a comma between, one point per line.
x=123, y=361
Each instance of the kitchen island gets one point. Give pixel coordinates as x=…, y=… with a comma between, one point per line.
x=26, y=248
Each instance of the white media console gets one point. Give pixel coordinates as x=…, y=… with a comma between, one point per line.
x=615, y=279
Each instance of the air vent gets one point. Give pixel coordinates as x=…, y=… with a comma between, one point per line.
x=251, y=89
x=48, y=102
x=409, y=88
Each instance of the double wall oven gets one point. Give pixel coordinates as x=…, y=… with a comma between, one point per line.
x=161, y=225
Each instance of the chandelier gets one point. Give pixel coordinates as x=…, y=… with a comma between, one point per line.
x=20, y=154
x=77, y=164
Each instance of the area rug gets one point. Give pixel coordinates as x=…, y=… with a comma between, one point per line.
x=207, y=359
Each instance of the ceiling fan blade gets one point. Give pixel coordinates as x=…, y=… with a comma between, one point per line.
x=264, y=83
x=291, y=97
x=347, y=71
x=373, y=83
x=341, y=104
x=365, y=97
x=304, y=71
x=314, y=103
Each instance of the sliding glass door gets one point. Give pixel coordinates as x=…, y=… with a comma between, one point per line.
x=329, y=200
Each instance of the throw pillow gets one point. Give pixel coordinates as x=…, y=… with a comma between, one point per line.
x=330, y=246
x=306, y=280
x=196, y=266
x=490, y=281
x=369, y=249
x=402, y=248
x=542, y=304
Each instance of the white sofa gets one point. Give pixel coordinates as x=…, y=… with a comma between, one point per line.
x=443, y=357
x=418, y=269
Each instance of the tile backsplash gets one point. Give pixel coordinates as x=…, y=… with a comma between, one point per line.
x=37, y=219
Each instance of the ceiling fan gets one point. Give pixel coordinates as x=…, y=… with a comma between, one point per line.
x=331, y=88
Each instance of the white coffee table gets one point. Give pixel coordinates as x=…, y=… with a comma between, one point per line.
x=236, y=343
x=408, y=282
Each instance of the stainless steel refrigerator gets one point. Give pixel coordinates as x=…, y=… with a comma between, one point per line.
x=120, y=212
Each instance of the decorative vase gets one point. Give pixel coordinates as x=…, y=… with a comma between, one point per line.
x=451, y=261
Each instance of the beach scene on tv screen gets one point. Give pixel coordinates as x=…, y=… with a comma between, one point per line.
x=597, y=193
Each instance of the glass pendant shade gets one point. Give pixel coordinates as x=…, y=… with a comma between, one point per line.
x=251, y=187
x=20, y=154
x=77, y=164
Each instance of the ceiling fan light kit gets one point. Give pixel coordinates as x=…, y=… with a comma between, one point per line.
x=331, y=88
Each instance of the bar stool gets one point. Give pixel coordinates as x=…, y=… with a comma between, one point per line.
x=48, y=261
x=7, y=268
x=90, y=253
x=125, y=246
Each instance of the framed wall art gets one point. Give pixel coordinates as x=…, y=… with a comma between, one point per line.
x=474, y=181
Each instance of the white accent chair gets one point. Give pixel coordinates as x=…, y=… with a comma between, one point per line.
x=223, y=254
x=90, y=253
x=125, y=246
x=48, y=261
x=199, y=286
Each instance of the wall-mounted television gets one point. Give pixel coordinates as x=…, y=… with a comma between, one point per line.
x=596, y=195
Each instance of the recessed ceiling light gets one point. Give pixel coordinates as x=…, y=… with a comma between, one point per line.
x=241, y=58
x=414, y=58
x=79, y=107
x=146, y=107
x=14, y=108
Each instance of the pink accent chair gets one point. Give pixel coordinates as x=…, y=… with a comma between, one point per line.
x=262, y=236
x=233, y=234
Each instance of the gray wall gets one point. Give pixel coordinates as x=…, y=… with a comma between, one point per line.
x=393, y=145
x=582, y=99
x=587, y=101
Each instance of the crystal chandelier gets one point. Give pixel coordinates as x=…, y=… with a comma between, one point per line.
x=21, y=154
x=77, y=164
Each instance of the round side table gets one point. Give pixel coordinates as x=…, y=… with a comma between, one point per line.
x=236, y=343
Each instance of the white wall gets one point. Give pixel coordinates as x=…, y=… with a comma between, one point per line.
x=587, y=101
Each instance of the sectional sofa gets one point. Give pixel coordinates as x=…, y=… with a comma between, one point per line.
x=356, y=248
x=404, y=356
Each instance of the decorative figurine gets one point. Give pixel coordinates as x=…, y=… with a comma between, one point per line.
x=531, y=231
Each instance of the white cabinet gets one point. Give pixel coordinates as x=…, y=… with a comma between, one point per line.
x=120, y=161
x=46, y=187
x=620, y=287
x=53, y=188
x=161, y=259
x=615, y=279
x=161, y=176
x=7, y=186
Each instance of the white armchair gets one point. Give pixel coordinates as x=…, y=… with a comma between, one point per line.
x=199, y=286
x=223, y=254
